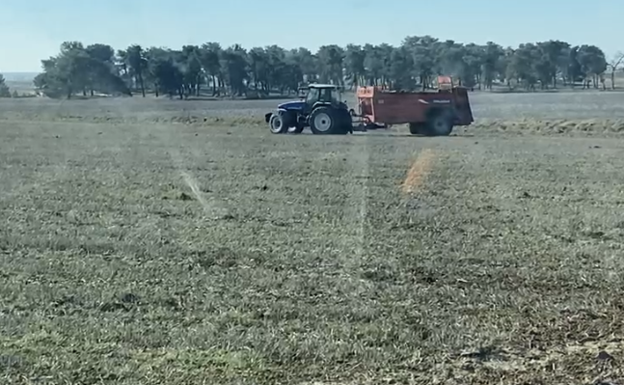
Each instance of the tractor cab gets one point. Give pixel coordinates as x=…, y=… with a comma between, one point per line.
x=323, y=93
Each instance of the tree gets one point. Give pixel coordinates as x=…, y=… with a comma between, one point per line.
x=136, y=64
x=210, y=54
x=330, y=60
x=552, y=56
x=169, y=78
x=154, y=73
x=259, y=69
x=233, y=63
x=614, y=65
x=275, y=57
x=65, y=73
x=79, y=69
x=5, y=92
x=593, y=64
x=400, y=66
x=373, y=64
x=190, y=65
x=101, y=58
x=425, y=56
x=307, y=63
x=492, y=58
x=354, y=64
x=573, y=67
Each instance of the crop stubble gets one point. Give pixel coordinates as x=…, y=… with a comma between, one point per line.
x=308, y=258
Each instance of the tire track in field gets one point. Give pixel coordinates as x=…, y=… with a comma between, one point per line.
x=418, y=172
x=212, y=207
x=358, y=193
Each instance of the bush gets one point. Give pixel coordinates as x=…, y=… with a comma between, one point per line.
x=4, y=89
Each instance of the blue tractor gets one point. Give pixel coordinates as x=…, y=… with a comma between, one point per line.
x=321, y=109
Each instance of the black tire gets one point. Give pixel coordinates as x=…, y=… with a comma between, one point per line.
x=417, y=128
x=440, y=123
x=277, y=124
x=346, y=122
x=298, y=129
x=280, y=122
x=323, y=121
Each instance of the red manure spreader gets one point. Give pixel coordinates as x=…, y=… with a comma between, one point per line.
x=430, y=113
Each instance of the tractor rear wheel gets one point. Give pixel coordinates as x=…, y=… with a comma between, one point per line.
x=346, y=122
x=323, y=121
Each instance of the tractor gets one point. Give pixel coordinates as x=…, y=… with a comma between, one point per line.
x=321, y=109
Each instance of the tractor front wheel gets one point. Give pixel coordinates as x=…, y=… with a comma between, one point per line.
x=280, y=122
x=277, y=124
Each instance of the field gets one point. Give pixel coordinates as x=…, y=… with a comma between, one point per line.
x=167, y=242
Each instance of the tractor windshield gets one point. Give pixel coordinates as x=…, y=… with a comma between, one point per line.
x=327, y=95
x=312, y=96
x=330, y=95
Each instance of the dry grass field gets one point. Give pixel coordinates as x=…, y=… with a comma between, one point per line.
x=167, y=242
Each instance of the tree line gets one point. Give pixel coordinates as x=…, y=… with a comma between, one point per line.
x=235, y=71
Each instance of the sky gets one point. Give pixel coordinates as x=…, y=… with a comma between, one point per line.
x=31, y=30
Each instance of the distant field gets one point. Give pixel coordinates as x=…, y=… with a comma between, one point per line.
x=22, y=82
x=168, y=242
x=21, y=87
x=604, y=111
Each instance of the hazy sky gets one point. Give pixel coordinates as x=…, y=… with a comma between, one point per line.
x=34, y=29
